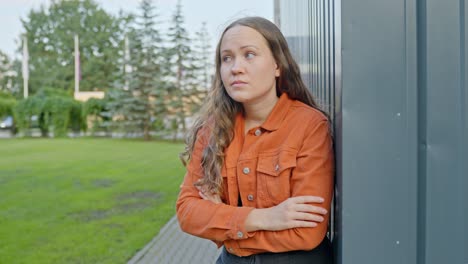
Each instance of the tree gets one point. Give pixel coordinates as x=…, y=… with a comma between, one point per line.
x=204, y=57
x=8, y=75
x=50, y=33
x=184, y=93
x=144, y=101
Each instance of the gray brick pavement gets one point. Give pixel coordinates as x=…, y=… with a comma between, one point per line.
x=172, y=246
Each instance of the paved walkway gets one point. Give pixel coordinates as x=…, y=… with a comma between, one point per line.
x=172, y=246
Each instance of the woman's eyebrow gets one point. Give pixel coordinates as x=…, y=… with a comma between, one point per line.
x=242, y=47
x=249, y=46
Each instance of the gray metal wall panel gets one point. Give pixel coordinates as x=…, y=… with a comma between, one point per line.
x=377, y=198
x=444, y=133
x=464, y=103
x=398, y=79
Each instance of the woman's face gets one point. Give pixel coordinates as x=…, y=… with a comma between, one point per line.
x=248, y=69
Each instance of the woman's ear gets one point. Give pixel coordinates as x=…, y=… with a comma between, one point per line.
x=277, y=70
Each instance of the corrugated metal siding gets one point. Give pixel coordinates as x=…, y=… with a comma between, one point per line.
x=308, y=28
x=399, y=76
x=444, y=136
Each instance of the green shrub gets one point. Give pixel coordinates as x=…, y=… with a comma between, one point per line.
x=6, y=106
x=6, y=95
x=94, y=108
x=53, y=109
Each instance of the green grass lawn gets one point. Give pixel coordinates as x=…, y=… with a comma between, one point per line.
x=84, y=200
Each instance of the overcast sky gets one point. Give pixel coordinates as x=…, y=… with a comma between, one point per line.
x=216, y=13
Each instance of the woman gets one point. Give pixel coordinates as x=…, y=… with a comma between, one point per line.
x=260, y=161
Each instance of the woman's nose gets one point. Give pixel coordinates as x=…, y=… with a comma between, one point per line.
x=237, y=67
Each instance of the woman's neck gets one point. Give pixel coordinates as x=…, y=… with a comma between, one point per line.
x=257, y=113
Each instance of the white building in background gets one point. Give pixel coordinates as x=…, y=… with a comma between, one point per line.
x=85, y=96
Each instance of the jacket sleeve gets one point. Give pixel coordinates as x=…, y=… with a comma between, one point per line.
x=313, y=175
x=198, y=217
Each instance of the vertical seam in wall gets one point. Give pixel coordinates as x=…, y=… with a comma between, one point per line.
x=408, y=98
x=329, y=102
x=309, y=48
x=326, y=56
x=331, y=61
x=462, y=76
x=463, y=167
x=322, y=100
x=337, y=93
x=421, y=15
x=317, y=42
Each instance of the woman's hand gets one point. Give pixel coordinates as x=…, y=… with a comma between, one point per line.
x=207, y=195
x=292, y=213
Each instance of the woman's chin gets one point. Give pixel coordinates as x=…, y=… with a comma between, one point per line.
x=240, y=98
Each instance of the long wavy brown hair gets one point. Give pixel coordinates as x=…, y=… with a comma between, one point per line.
x=217, y=116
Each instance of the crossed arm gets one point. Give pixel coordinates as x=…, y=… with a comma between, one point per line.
x=298, y=223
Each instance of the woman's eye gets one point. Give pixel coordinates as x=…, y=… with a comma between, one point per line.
x=226, y=58
x=249, y=55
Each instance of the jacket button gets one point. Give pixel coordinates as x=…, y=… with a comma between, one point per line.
x=240, y=234
x=277, y=167
x=258, y=132
x=250, y=197
x=246, y=170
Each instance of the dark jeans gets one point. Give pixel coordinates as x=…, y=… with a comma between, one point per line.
x=322, y=254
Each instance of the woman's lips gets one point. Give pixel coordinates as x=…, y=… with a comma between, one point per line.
x=238, y=83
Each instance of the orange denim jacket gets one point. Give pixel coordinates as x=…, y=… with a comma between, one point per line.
x=289, y=155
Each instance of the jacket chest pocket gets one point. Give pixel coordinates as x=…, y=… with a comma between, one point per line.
x=274, y=175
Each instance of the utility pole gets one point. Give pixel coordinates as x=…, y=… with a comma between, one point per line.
x=77, y=65
x=25, y=68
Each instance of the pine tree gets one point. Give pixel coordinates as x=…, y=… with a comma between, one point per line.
x=143, y=101
x=204, y=56
x=184, y=89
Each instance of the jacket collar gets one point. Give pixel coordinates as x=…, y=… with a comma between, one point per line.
x=277, y=115
x=274, y=119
